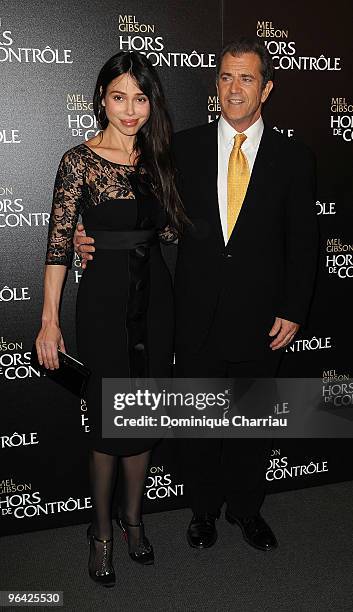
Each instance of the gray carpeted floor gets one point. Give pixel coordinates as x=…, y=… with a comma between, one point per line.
x=312, y=570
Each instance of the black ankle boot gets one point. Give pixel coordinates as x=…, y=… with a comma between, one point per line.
x=101, y=571
x=143, y=552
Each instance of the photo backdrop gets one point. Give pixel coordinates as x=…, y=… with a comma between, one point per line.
x=50, y=55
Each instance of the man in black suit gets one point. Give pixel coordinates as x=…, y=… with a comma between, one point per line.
x=243, y=281
x=244, y=276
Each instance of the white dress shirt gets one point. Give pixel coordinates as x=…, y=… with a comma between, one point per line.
x=225, y=144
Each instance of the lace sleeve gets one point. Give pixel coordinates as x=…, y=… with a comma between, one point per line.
x=168, y=235
x=67, y=200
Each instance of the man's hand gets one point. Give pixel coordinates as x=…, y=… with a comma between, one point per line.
x=285, y=332
x=83, y=245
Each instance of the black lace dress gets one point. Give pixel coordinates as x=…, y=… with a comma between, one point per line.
x=124, y=310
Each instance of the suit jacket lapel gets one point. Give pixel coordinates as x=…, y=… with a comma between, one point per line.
x=262, y=166
x=210, y=157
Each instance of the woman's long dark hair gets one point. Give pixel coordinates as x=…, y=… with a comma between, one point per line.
x=153, y=140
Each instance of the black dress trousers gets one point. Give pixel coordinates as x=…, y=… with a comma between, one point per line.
x=228, y=469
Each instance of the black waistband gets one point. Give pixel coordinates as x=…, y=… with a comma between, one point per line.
x=123, y=240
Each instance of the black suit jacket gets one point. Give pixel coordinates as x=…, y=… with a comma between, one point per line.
x=231, y=294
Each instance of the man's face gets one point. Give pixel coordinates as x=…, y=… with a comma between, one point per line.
x=240, y=90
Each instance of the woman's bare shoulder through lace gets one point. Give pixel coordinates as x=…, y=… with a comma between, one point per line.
x=83, y=179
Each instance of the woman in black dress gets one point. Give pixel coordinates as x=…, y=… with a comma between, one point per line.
x=122, y=183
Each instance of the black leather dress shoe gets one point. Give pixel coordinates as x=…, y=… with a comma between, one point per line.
x=202, y=532
x=255, y=530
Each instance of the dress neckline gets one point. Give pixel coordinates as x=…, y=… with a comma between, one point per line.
x=105, y=159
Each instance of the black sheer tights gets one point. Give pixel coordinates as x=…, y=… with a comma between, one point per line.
x=103, y=472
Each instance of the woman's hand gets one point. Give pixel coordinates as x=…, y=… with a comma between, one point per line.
x=48, y=341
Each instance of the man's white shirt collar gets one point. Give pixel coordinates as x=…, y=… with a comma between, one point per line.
x=253, y=134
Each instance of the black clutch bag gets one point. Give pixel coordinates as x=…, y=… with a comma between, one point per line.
x=71, y=374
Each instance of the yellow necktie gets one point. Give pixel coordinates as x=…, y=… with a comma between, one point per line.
x=237, y=183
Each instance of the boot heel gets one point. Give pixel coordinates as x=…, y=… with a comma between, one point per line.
x=144, y=555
